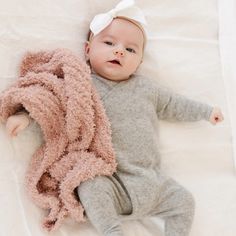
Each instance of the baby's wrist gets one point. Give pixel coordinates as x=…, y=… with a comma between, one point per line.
x=208, y=113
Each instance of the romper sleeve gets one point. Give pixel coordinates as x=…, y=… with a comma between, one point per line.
x=171, y=106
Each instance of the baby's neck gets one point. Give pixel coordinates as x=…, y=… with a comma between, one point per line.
x=109, y=79
x=108, y=82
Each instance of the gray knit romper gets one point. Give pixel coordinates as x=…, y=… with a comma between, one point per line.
x=139, y=188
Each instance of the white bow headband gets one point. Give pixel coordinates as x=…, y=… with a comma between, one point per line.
x=126, y=9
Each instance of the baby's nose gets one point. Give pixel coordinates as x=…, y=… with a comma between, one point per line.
x=119, y=52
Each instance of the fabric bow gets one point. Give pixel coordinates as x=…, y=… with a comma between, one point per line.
x=126, y=8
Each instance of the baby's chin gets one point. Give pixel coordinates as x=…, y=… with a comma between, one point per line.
x=114, y=77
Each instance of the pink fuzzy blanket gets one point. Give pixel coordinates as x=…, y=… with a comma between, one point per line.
x=55, y=87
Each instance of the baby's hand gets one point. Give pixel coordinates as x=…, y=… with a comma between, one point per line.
x=1, y=120
x=17, y=123
x=216, y=116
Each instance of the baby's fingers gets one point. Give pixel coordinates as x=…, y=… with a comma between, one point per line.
x=11, y=128
x=219, y=117
x=15, y=124
x=17, y=129
x=14, y=131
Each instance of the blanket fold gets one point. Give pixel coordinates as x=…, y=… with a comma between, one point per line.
x=55, y=87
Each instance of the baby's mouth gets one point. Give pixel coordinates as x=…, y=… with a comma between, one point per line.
x=115, y=62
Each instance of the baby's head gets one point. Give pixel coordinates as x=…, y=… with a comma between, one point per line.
x=116, y=51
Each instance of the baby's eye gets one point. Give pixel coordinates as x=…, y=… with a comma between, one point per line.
x=108, y=43
x=131, y=50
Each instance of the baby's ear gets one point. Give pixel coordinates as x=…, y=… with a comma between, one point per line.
x=86, y=50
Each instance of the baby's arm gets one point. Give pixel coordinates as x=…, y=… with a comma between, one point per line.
x=177, y=107
x=17, y=123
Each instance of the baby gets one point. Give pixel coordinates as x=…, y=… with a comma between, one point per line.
x=133, y=104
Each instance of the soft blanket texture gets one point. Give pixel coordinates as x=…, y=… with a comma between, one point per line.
x=56, y=89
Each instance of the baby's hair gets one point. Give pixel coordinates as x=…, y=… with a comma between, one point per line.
x=89, y=35
x=88, y=39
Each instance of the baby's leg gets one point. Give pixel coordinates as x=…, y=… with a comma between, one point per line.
x=104, y=199
x=176, y=206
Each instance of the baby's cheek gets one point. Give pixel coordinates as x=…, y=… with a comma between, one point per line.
x=94, y=63
x=135, y=66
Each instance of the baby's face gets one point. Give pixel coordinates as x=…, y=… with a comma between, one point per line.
x=116, y=52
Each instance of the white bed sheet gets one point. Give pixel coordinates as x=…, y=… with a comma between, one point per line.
x=227, y=42
x=182, y=54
